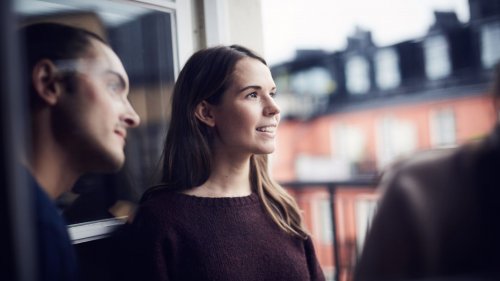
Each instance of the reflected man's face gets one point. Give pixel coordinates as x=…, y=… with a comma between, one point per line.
x=93, y=119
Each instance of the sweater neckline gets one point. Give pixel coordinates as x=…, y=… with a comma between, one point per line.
x=218, y=201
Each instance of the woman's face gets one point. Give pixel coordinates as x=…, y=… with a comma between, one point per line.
x=246, y=120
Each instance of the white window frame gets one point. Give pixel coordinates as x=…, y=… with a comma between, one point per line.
x=183, y=48
x=216, y=22
x=182, y=27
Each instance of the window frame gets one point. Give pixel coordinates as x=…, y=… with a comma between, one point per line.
x=437, y=57
x=181, y=13
x=387, y=72
x=489, y=52
x=183, y=47
x=443, y=128
x=18, y=243
x=357, y=72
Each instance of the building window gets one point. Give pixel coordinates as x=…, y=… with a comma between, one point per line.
x=395, y=138
x=443, y=130
x=309, y=88
x=357, y=75
x=323, y=221
x=349, y=143
x=437, y=59
x=365, y=209
x=387, y=69
x=490, y=40
x=313, y=81
x=321, y=168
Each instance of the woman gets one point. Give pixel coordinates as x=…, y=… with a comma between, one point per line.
x=217, y=215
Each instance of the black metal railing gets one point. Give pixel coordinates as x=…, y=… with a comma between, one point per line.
x=332, y=187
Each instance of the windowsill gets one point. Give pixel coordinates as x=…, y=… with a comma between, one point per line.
x=94, y=230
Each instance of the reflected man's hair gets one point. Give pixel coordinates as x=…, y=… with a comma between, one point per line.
x=55, y=42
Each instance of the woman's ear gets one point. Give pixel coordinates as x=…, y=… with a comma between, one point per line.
x=204, y=113
x=45, y=81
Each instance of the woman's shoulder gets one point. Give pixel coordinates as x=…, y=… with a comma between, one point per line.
x=157, y=191
x=157, y=202
x=157, y=209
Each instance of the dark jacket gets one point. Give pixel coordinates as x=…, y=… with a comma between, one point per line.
x=439, y=217
x=56, y=256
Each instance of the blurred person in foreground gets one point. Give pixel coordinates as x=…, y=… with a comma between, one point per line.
x=79, y=116
x=217, y=214
x=438, y=218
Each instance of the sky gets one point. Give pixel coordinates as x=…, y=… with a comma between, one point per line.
x=325, y=24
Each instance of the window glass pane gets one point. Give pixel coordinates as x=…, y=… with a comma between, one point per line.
x=387, y=69
x=490, y=40
x=395, y=138
x=323, y=222
x=349, y=143
x=443, y=128
x=365, y=209
x=437, y=61
x=357, y=75
x=143, y=40
x=304, y=92
x=314, y=81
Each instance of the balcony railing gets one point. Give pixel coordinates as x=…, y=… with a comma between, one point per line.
x=332, y=187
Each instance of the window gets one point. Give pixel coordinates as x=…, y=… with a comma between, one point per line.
x=357, y=75
x=442, y=124
x=308, y=91
x=150, y=40
x=365, y=209
x=323, y=221
x=387, y=69
x=321, y=168
x=437, y=60
x=395, y=138
x=490, y=40
x=314, y=81
x=349, y=143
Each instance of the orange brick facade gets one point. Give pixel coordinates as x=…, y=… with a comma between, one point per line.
x=474, y=118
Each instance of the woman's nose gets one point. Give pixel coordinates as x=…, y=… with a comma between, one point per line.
x=272, y=107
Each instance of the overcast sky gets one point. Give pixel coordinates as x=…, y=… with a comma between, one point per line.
x=325, y=24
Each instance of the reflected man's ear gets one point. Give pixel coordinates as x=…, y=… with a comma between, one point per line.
x=204, y=113
x=46, y=82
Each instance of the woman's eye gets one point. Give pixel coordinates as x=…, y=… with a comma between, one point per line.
x=252, y=95
x=273, y=94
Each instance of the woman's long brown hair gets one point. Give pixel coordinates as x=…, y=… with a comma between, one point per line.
x=187, y=155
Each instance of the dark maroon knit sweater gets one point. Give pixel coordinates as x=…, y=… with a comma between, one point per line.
x=182, y=238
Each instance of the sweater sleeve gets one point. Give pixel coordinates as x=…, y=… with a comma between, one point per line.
x=315, y=270
x=146, y=248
